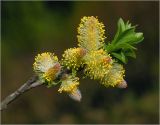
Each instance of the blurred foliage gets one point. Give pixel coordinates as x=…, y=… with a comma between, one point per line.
x=28, y=28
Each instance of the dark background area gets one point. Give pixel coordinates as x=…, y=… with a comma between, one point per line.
x=29, y=28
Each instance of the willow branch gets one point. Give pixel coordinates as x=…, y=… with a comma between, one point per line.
x=31, y=83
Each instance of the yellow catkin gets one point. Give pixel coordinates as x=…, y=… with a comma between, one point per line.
x=69, y=84
x=50, y=75
x=46, y=66
x=98, y=64
x=91, y=33
x=115, y=76
x=72, y=58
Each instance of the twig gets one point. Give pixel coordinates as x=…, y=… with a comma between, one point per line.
x=31, y=83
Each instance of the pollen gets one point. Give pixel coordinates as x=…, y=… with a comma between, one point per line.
x=50, y=75
x=72, y=58
x=115, y=76
x=91, y=33
x=69, y=84
x=46, y=66
x=98, y=64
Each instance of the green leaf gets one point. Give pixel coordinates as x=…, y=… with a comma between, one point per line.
x=130, y=54
x=120, y=56
x=123, y=44
x=109, y=48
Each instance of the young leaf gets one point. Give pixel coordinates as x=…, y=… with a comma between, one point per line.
x=123, y=44
x=120, y=56
x=130, y=54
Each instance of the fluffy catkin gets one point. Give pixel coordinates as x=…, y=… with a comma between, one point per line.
x=90, y=33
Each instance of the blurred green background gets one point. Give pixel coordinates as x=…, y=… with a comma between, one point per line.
x=29, y=28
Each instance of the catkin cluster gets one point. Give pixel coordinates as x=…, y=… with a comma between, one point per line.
x=89, y=56
x=97, y=63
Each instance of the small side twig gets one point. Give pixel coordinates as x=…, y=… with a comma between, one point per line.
x=31, y=83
